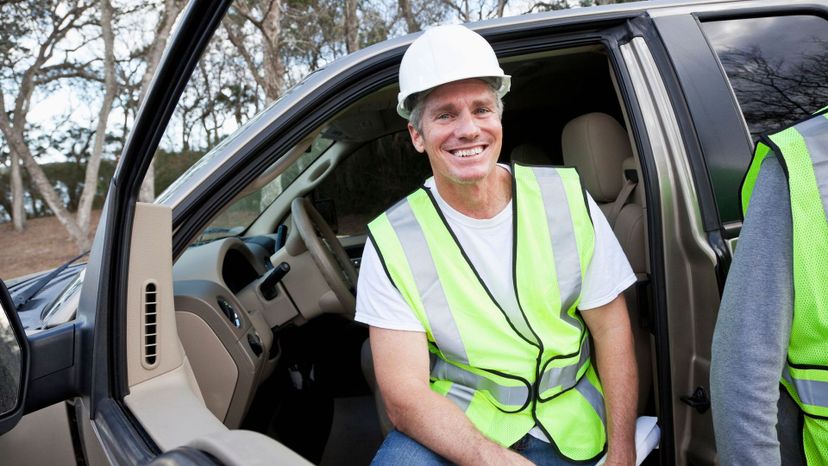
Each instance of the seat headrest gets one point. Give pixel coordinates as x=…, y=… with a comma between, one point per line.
x=597, y=145
x=530, y=154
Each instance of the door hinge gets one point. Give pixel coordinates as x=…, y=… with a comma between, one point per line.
x=697, y=400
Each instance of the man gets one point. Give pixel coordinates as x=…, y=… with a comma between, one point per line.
x=476, y=334
x=772, y=326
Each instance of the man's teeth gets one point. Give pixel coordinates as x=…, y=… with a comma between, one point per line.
x=468, y=152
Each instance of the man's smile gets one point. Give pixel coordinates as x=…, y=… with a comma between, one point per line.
x=467, y=152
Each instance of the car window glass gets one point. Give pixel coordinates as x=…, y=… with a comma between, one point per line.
x=369, y=181
x=776, y=66
x=241, y=213
x=221, y=97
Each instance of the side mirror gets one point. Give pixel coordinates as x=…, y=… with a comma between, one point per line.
x=14, y=363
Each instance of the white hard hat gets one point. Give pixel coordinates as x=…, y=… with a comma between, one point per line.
x=445, y=54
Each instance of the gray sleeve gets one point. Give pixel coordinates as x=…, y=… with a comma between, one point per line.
x=750, y=342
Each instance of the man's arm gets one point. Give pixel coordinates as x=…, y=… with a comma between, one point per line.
x=753, y=328
x=401, y=365
x=610, y=328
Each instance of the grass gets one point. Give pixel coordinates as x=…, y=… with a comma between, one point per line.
x=42, y=245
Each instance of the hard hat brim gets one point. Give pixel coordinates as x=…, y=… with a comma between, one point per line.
x=501, y=89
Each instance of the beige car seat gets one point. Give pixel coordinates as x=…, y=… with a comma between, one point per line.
x=599, y=148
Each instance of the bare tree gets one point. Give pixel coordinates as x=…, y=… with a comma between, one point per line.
x=775, y=92
x=53, y=22
x=55, y=60
x=172, y=8
x=407, y=14
x=552, y=5
x=265, y=18
x=351, y=28
x=13, y=22
x=475, y=10
x=90, y=184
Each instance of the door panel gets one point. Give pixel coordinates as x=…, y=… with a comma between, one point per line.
x=689, y=263
x=48, y=426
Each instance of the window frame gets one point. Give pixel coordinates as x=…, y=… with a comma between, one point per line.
x=732, y=226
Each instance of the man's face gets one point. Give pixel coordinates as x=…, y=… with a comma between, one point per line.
x=461, y=132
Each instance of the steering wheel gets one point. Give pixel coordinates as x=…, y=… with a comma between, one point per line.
x=327, y=252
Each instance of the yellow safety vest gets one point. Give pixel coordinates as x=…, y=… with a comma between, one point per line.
x=506, y=381
x=803, y=152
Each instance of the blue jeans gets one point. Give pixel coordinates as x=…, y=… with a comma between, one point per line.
x=400, y=449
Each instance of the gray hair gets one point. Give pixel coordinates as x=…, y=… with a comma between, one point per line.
x=417, y=105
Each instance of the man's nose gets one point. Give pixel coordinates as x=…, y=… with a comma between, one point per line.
x=467, y=126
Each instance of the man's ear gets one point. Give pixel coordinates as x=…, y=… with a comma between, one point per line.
x=416, y=138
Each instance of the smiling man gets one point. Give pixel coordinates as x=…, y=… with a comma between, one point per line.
x=483, y=287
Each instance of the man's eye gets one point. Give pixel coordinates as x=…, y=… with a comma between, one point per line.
x=482, y=110
x=444, y=116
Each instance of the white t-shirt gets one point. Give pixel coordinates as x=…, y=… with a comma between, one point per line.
x=488, y=245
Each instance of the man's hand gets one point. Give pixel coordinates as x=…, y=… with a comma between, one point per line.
x=610, y=328
x=401, y=364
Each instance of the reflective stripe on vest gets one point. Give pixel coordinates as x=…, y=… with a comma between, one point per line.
x=816, y=141
x=514, y=398
x=803, y=152
x=443, y=327
x=506, y=371
x=813, y=394
x=567, y=262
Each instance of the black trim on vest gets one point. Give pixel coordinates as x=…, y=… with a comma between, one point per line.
x=539, y=372
x=514, y=259
x=563, y=356
x=812, y=416
x=474, y=270
x=806, y=366
x=381, y=258
x=374, y=241
x=742, y=186
x=764, y=139
x=586, y=200
x=513, y=377
x=777, y=152
x=535, y=392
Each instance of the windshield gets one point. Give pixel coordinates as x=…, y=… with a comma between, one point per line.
x=244, y=211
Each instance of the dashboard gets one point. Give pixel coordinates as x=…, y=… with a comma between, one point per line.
x=226, y=322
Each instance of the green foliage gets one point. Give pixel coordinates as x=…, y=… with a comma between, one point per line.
x=170, y=165
x=67, y=179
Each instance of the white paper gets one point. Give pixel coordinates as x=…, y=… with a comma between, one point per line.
x=647, y=435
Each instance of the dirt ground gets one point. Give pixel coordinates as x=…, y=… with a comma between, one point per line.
x=44, y=244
